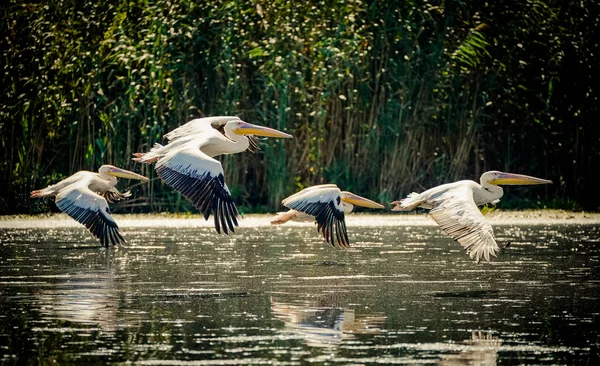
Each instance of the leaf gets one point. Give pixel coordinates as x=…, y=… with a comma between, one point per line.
x=256, y=52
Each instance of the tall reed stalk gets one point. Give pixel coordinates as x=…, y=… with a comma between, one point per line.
x=382, y=98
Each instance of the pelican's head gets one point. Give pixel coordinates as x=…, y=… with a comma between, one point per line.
x=120, y=173
x=353, y=199
x=244, y=128
x=496, y=178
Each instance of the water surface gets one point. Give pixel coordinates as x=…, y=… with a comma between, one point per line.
x=179, y=293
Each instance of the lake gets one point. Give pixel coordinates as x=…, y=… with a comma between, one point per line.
x=403, y=293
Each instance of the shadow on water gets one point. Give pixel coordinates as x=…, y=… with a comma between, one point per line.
x=475, y=294
x=321, y=263
x=281, y=295
x=221, y=296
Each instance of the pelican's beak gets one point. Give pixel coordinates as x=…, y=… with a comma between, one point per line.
x=360, y=201
x=122, y=173
x=246, y=128
x=518, y=179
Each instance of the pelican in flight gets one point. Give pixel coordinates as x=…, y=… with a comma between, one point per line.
x=186, y=163
x=85, y=196
x=454, y=207
x=328, y=205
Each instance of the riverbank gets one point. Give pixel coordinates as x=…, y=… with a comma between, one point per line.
x=495, y=217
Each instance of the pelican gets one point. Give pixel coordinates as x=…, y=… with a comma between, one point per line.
x=328, y=205
x=454, y=207
x=186, y=163
x=85, y=196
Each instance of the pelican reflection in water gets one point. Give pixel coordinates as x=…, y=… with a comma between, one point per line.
x=481, y=349
x=324, y=324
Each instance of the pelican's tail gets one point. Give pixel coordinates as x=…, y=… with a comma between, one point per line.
x=284, y=217
x=409, y=203
x=151, y=156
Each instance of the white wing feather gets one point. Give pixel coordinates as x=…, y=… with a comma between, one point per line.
x=90, y=209
x=458, y=216
x=307, y=190
x=197, y=126
x=200, y=179
x=322, y=193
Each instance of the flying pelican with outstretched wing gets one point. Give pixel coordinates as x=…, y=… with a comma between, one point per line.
x=454, y=207
x=85, y=196
x=328, y=205
x=186, y=163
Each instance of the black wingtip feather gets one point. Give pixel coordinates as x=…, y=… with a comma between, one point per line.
x=207, y=193
x=328, y=219
x=98, y=224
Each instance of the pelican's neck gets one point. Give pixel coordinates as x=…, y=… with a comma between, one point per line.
x=110, y=180
x=488, y=193
x=347, y=207
x=239, y=142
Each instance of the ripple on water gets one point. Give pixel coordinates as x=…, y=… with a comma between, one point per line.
x=402, y=293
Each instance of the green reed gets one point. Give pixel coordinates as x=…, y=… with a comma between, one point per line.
x=382, y=98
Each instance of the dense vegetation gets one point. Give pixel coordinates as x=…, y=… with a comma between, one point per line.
x=382, y=97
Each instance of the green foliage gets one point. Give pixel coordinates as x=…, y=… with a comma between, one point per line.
x=382, y=98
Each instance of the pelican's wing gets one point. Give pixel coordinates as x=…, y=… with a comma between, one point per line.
x=90, y=209
x=200, y=179
x=324, y=203
x=458, y=216
x=199, y=125
x=307, y=190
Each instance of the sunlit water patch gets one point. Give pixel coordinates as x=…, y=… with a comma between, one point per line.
x=178, y=293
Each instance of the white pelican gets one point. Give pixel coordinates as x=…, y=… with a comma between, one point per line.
x=328, y=205
x=186, y=163
x=85, y=195
x=454, y=207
